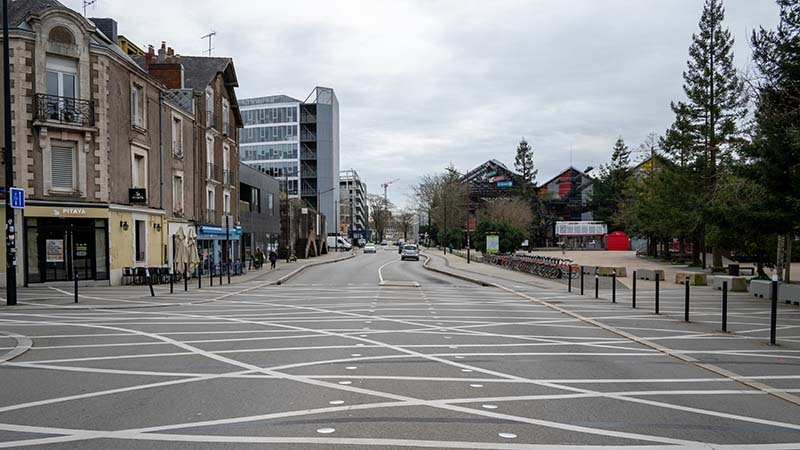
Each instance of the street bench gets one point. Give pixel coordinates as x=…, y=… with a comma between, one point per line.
x=735, y=284
x=695, y=278
x=649, y=274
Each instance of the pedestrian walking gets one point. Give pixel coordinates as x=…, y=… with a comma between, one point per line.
x=563, y=248
x=273, y=258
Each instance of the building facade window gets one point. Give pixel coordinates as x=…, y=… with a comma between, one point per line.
x=63, y=168
x=138, y=112
x=177, y=136
x=60, y=77
x=226, y=203
x=209, y=107
x=138, y=169
x=140, y=240
x=177, y=194
x=273, y=133
x=271, y=203
x=226, y=117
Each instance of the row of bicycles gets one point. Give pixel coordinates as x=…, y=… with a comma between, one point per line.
x=543, y=266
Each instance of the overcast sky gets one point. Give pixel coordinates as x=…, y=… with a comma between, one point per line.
x=425, y=83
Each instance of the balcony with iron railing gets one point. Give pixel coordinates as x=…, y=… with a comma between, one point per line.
x=226, y=177
x=66, y=110
x=226, y=129
x=308, y=153
x=211, y=172
x=307, y=135
x=211, y=215
x=307, y=117
x=211, y=119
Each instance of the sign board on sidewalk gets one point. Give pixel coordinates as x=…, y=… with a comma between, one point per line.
x=492, y=244
x=17, y=198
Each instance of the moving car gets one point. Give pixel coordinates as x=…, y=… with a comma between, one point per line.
x=409, y=252
x=370, y=248
x=384, y=243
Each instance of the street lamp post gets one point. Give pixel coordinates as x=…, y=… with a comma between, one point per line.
x=11, y=260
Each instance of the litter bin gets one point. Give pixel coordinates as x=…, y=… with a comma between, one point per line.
x=733, y=270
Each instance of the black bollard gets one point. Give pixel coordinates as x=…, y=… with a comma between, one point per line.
x=725, y=306
x=596, y=285
x=773, y=316
x=657, y=278
x=581, y=269
x=150, y=282
x=171, y=281
x=185, y=277
x=614, y=286
x=75, y=276
x=569, y=278
x=210, y=274
x=633, y=293
x=220, y=274
x=686, y=301
x=228, y=268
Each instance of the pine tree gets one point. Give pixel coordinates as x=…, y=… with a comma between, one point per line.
x=523, y=163
x=706, y=128
x=621, y=156
x=775, y=151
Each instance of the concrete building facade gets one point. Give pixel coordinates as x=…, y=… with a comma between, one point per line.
x=259, y=211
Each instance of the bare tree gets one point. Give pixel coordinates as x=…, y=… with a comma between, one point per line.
x=514, y=212
x=405, y=222
x=444, y=197
x=380, y=213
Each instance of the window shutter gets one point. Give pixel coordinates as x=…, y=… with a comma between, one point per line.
x=62, y=167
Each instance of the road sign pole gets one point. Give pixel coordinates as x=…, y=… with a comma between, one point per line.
x=11, y=261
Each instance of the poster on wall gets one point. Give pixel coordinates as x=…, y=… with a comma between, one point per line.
x=492, y=244
x=54, y=250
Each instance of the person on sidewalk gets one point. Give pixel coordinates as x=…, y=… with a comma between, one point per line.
x=273, y=258
x=259, y=258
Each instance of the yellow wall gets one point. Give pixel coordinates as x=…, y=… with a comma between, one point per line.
x=121, y=241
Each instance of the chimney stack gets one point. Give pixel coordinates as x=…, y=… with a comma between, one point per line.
x=167, y=68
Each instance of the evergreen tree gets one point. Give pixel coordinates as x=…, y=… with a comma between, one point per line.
x=608, y=189
x=774, y=154
x=523, y=163
x=706, y=128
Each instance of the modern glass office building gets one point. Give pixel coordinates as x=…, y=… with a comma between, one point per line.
x=296, y=142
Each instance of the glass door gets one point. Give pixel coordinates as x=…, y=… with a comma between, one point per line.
x=82, y=244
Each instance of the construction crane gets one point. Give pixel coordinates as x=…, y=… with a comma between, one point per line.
x=385, y=187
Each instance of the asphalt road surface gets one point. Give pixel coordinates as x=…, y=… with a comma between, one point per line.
x=373, y=353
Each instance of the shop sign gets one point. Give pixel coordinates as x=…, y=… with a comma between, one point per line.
x=492, y=244
x=65, y=212
x=54, y=250
x=137, y=195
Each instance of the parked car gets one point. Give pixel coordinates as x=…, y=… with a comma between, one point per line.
x=370, y=248
x=384, y=243
x=409, y=252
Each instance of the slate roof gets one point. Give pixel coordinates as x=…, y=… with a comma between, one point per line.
x=19, y=10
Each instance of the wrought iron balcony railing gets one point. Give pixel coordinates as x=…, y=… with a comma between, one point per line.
x=211, y=215
x=226, y=177
x=67, y=110
x=211, y=172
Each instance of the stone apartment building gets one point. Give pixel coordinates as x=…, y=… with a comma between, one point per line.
x=114, y=158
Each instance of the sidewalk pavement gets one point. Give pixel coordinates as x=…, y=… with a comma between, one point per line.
x=138, y=296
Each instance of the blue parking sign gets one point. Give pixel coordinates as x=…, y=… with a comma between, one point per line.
x=17, y=198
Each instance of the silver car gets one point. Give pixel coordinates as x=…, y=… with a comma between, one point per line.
x=370, y=248
x=409, y=252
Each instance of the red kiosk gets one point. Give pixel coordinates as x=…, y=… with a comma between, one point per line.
x=618, y=240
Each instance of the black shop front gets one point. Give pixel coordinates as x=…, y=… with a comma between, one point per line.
x=62, y=240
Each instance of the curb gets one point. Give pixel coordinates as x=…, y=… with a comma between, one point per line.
x=667, y=351
x=451, y=274
x=24, y=343
x=279, y=281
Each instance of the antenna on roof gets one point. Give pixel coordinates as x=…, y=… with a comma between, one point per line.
x=209, y=36
x=87, y=3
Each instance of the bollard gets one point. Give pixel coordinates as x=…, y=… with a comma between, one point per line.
x=185, y=276
x=229, y=273
x=210, y=274
x=581, y=269
x=633, y=293
x=725, y=306
x=596, y=285
x=75, y=276
x=569, y=278
x=773, y=316
x=149, y=282
x=686, y=301
x=171, y=276
x=220, y=274
x=614, y=286
x=657, y=294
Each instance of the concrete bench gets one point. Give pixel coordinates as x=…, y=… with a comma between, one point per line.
x=735, y=284
x=605, y=271
x=695, y=278
x=789, y=293
x=761, y=288
x=588, y=270
x=650, y=274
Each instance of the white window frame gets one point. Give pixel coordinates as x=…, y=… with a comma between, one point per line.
x=138, y=151
x=177, y=136
x=62, y=66
x=138, y=105
x=209, y=107
x=177, y=194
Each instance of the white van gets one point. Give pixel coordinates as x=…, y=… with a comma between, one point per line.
x=342, y=244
